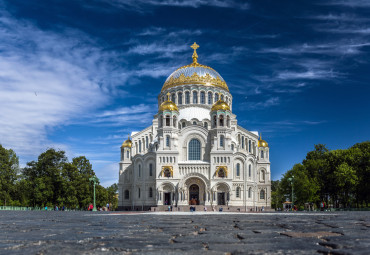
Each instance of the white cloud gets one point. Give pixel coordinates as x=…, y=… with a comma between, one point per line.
x=338, y=48
x=123, y=116
x=348, y=3
x=265, y=104
x=141, y=5
x=309, y=74
x=46, y=79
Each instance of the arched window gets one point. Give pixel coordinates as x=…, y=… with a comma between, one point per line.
x=202, y=97
x=195, y=97
x=150, y=192
x=137, y=148
x=232, y=147
x=194, y=122
x=214, y=121
x=168, y=121
x=167, y=173
x=127, y=194
x=216, y=97
x=206, y=125
x=237, y=191
x=174, y=121
x=160, y=121
x=262, y=194
x=150, y=169
x=221, y=120
x=228, y=121
x=262, y=175
x=127, y=154
x=146, y=142
x=250, y=146
x=187, y=97
x=222, y=97
x=173, y=97
x=183, y=124
x=238, y=169
x=209, y=97
x=138, y=193
x=139, y=145
x=167, y=140
x=222, y=141
x=221, y=173
x=250, y=170
x=179, y=98
x=139, y=170
x=250, y=192
x=194, y=149
x=262, y=154
x=242, y=142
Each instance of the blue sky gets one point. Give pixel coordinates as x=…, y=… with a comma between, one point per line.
x=80, y=75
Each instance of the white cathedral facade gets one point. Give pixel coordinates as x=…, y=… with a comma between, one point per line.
x=194, y=153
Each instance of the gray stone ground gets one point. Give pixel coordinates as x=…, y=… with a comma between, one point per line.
x=31, y=232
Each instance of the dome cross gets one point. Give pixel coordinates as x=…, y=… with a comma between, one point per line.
x=195, y=46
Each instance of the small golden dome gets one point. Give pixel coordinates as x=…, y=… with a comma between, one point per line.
x=220, y=105
x=262, y=143
x=168, y=105
x=127, y=143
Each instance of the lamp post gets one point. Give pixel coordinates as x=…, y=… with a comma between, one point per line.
x=291, y=179
x=94, y=179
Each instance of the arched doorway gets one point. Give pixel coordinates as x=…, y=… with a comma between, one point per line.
x=194, y=194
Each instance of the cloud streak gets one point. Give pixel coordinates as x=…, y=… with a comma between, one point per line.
x=46, y=79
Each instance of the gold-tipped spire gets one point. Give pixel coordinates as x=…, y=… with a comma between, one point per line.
x=195, y=46
x=262, y=143
x=127, y=143
x=168, y=105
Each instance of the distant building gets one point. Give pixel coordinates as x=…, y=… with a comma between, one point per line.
x=194, y=152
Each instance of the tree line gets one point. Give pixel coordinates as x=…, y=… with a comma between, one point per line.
x=340, y=178
x=51, y=181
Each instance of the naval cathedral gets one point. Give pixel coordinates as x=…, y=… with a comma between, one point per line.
x=194, y=152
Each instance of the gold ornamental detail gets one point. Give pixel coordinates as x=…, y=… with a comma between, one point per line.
x=206, y=80
x=165, y=168
x=219, y=168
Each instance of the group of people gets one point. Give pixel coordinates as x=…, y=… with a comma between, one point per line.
x=108, y=207
x=56, y=208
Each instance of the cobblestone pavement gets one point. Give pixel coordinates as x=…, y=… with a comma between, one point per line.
x=31, y=232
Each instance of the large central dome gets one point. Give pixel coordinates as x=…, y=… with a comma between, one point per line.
x=195, y=73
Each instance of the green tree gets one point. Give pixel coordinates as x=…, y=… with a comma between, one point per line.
x=9, y=167
x=112, y=196
x=305, y=188
x=84, y=188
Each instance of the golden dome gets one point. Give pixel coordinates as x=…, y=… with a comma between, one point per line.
x=168, y=105
x=220, y=105
x=127, y=143
x=262, y=143
x=195, y=73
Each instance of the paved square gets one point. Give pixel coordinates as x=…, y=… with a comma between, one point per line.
x=31, y=232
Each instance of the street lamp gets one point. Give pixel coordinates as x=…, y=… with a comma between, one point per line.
x=94, y=179
x=291, y=179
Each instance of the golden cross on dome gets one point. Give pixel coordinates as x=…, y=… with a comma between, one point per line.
x=168, y=96
x=195, y=46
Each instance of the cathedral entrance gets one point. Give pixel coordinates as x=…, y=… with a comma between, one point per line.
x=194, y=194
x=221, y=198
x=167, y=198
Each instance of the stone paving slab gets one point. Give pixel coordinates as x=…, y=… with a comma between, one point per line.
x=31, y=232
